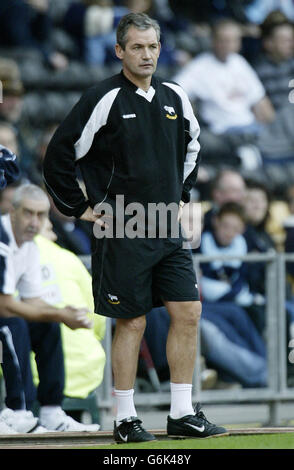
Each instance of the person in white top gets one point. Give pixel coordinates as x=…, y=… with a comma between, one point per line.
x=21, y=272
x=20, y=267
x=230, y=92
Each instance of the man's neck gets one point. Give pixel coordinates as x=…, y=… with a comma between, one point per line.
x=143, y=83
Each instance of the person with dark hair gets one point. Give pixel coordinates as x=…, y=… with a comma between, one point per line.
x=23, y=421
x=228, y=185
x=224, y=280
x=275, y=66
x=227, y=298
x=231, y=99
x=37, y=328
x=135, y=135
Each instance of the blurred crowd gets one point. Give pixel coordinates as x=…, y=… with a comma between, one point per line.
x=235, y=59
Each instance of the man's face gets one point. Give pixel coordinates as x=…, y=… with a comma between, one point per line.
x=231, y=188
x=281, y=44
x=256, y=205
x=6, y=200
x=28, y=218
x=11, y=107
x=227, y=227
x=8, y=139
x=226, y=41
x=141, y=53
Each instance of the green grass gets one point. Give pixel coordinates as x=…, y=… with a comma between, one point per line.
x=263, y=441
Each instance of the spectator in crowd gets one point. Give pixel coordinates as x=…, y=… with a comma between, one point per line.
x=12, y=90
x=232, y=100
x=14, y=387
x=11, y=111
x=92, y=23
x=275, y=66
x=257, y=206
x=229, y=343
x=289, y=248
x=227, y=281
x=227, y=186
x=6, y=196
x=66, y=280
x=30, y=208
x=258, y=10
x=259, y=240
x=27, y=24
x=9, y=138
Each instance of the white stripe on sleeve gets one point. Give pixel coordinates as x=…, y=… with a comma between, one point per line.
x=194, y=130
x=97, y=120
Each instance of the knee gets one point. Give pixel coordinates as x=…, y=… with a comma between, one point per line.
x=192, y=313
x=189, y=315
x=136, y=325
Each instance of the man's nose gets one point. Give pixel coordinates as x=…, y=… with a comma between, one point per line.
x=35, y=221
x=146, y=53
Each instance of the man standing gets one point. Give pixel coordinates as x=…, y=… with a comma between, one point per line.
x=135, y=136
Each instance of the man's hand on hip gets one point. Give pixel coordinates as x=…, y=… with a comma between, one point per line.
x=90, y=216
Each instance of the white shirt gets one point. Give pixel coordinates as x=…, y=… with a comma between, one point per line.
x=227, y=90
x=22, y=266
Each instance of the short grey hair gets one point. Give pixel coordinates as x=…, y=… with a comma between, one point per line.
x=140, y=21
x=31, y=191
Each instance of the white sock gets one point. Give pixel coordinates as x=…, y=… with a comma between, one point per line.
x=47, y=410
x=125, y=407
x=181, y=400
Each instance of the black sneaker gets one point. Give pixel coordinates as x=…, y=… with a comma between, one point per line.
x=193, y=426
x=130, y=430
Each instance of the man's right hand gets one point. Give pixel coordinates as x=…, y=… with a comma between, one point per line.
x=75, y=318
x=90, y=216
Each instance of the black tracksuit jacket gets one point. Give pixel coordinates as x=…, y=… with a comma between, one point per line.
x=142, y=145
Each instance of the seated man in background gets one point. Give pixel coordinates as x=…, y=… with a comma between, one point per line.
x=275, y=65
x=23, y=274
x=65, y=279
x=229, y=345
x=227, y=281
x=227, y=186
x=232, y=100
x=275, y=68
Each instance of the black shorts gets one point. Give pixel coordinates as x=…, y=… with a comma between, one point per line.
x=131, y=276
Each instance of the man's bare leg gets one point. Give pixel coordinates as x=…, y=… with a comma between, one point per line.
x=181, y=353
x=125, y=352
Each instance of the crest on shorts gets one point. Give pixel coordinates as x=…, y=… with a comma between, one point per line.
x=113, y=299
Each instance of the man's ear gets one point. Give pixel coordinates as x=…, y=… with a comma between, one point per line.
x=119, y=51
